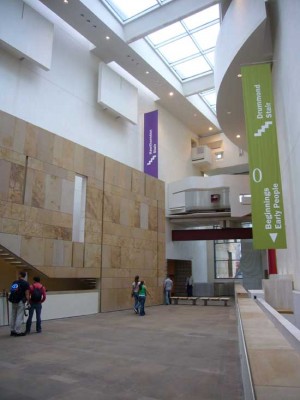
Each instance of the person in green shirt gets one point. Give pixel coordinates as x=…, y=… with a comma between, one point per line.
x=143, y=292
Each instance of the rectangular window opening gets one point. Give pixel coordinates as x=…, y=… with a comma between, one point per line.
x=227, y=259
x=79, y=208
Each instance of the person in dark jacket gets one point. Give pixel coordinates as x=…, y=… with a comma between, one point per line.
x=37, y=297
x=19, y=295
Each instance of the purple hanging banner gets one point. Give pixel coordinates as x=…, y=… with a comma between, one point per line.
x=151, y=143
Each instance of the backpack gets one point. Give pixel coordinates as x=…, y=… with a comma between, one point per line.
x=16, y=294
x=36, y=295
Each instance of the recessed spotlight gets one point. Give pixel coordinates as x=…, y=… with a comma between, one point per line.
x=107, y=37
x=239, y=75
x=171, y=94
x=210, y=128
x=66, y=1
x=228, y=112
x=147, y=72
x=238, y=136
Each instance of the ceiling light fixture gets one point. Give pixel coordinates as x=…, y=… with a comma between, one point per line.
x=238, y=136
x=147, y=72
x=239, y=75
x=66, y=1
x=210, y=128
x=107, y=37
x=171, y=94
x=228, y=112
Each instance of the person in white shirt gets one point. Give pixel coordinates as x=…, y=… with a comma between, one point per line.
x=135, y=293
x=168, y=284
x=189, y=286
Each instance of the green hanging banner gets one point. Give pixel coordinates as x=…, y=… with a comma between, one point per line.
x=268, y=223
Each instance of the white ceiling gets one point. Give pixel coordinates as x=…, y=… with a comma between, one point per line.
x=128, y=49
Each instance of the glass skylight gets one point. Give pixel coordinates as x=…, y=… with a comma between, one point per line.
x=179, y=49
x=128, y=9
x=206, y=38
x=191, y=68
x=187, y=46
x=202, y=17
x=167, y=33
x=209, y=96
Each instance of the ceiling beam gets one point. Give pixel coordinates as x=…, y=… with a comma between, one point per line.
x=163, y=16
x=198, y=84
x=211, y=234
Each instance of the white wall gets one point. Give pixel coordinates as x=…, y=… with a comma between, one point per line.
x=195, y=251
x=61, y=305
x=64, y=101
x=18, y=26
x=286, y=64
x=232, y=155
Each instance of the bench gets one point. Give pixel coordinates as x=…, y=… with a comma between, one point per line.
x=206, y=299
x=175, y=299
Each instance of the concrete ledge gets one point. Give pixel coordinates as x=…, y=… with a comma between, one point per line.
x=274, y=364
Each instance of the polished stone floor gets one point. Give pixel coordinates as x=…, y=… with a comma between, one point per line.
x=174, y=352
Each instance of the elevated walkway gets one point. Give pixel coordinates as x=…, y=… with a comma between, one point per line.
x=270, y=362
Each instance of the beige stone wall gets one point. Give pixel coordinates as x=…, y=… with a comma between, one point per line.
x=124, y=218
x=133, y=235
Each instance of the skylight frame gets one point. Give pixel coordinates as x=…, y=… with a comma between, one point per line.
x=211, y=105
x=120, y=15
x=188, y=32
x=188, y=29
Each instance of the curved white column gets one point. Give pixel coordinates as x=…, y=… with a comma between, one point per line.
x=243, y=39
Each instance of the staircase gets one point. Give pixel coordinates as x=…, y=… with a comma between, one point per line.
x=89, y=283
x=10, y=258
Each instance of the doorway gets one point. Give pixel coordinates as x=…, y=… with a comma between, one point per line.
x=179, y=270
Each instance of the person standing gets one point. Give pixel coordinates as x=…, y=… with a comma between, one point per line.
x=19, y=295
x=143, y=292
x=37, y=297
x=135, y=293
x=168, y=285
x=189, y=286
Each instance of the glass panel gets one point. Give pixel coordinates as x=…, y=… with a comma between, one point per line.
x=196, y=66
x=227, y=259
x=178, y=49
x=211, y=57
x=207, y=38
x=128, y=9
x=225, y=269
x=210, y=97
x=167, y=33
x=202, y=17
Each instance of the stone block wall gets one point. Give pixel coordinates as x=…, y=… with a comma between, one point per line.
x=124, y=231
x=133, y=234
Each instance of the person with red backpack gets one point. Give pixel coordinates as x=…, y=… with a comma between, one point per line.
x=37, y=297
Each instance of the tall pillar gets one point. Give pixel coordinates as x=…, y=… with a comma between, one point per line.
x=272, y=261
